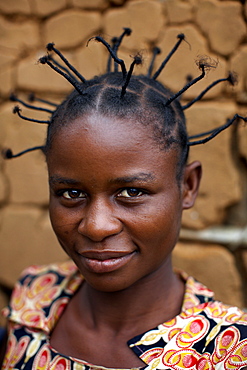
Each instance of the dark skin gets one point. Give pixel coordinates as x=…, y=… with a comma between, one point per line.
x=116, y=207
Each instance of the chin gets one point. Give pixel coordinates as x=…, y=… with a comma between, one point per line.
x=108, y=283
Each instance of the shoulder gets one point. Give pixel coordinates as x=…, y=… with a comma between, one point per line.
x=218, y=330
x=228, y=333
x=36, y=279
x=209, y=335
x=41, y=289
x=227, y=317
x=212, y=327
x=217, y=318
x=220, y=310
x=62, y=268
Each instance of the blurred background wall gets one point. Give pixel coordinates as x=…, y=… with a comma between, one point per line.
x=213, y=28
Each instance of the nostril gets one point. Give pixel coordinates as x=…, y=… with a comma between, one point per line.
x=98, y=230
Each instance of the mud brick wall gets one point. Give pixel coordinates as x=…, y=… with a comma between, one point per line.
x=212, y=27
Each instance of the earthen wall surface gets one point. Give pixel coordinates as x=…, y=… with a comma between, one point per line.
x=212, y=27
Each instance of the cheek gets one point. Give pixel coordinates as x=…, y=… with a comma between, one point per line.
x=54, y=214
x=63, y=227
x=63, y=220
x=166, y=212
x=162, y=223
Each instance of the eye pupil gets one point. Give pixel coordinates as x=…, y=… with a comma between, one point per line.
x=73, y=193
x=133, y=192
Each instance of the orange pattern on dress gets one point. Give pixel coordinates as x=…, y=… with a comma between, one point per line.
x=206, y=335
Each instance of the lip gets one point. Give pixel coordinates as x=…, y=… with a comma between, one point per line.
x=103, y=262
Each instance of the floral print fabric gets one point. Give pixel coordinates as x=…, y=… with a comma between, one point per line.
x=206, y=335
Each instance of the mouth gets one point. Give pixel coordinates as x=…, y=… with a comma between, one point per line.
x=103, y=262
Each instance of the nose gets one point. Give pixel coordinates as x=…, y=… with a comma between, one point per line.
x=99, y=222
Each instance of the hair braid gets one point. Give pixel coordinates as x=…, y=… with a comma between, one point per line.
x=127, y=96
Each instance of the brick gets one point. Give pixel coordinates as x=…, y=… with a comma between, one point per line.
x=117, y=2
x=238, y=64
x=242, y=132
x=128, y=59
x=243, y=140
x=91, y=60
x=27, y=175
x=7, y=80
x=91, y=4
x=213, y=266
x=4, y=112
x=32, y=242
x=18, y=35
x=1, y=217
x=3, y=188
x=179, y=11
x=133, y=16
x=19, y=132
x=27, y=178
x=47, y=7
x=223, y=24
x=6, y=58
x=35, y=77
x=183, y=63
x=14, y=6
x=80, y=25
x=220, y=186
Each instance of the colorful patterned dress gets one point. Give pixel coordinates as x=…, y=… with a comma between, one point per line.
x=205, y=335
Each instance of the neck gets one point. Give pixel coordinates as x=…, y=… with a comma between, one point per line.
x=153, y=300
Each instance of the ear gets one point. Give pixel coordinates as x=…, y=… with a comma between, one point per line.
x=191, y=182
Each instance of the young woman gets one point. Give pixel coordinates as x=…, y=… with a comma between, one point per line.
x=116, y=153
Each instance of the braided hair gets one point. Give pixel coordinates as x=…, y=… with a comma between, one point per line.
x=125, y=96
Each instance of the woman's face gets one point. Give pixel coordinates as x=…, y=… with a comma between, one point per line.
x=115, y=203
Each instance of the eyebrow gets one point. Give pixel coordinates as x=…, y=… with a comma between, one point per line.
x=142, y=177
x=55, y=179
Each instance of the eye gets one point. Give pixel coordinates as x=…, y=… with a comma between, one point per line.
x=130, y=193
x=73, y=194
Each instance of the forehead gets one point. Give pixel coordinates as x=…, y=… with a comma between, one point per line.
x=96, y=141
x=111, y=130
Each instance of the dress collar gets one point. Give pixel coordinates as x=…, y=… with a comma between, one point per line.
x=39, y=286
x=150, y=344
